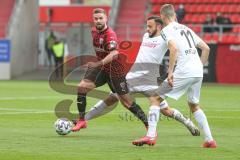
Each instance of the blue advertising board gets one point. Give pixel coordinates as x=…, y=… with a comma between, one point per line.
x=5, y=50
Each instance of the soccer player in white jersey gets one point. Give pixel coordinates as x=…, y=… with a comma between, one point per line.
x=185, y=71
x=142, y=78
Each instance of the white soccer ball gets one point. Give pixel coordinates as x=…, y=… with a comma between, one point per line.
x=63, y=126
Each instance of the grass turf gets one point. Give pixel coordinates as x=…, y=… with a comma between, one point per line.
x=27, y=117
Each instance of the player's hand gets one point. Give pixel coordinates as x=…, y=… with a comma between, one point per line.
x=162, y=78
x=170, y=79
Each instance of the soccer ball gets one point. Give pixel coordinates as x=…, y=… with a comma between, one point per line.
x=63, y=126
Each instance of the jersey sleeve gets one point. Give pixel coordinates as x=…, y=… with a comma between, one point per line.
x=166, y=34
x=111, y=42
x=196, y=38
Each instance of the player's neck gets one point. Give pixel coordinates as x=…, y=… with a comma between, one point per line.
x=157, y=34
x=103, y=29
x=170, y=20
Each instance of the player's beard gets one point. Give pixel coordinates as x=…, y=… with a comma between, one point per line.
x=153, y=33
x=100, y=26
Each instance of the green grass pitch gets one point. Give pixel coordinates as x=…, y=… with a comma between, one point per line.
x=27, y=117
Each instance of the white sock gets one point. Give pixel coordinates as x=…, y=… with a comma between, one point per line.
x=96, y=110
x=203, y=124
x=177, y=115
x=153, y=117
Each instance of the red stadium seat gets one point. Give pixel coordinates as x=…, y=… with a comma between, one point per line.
x=226, y=38
x=236, y=29
x=215, y=37
x=202, y=18
x=216, y=8
x=194, y=19
x=199, y=8
x=188, y=1
x=187, y=18
x=197, y=1
x=153, y=1
x=196, y=11
x=222, y=1
x=237, y=40
x=204, y=1
x=232, y=8
x=196, y=29
x=188, y=7
x=207, y=8
x=238, y=8
x=235, y=18
x=207, y=37
x=156, y=9
x=235, y=1
x=167, y=1
x=214, y=1
x=224, y=8
x=192, y=8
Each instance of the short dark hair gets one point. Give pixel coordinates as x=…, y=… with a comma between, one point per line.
x=99, y=10
x=156, y=18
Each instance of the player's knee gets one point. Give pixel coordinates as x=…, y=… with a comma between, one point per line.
x=126, y=100
x=112, y=99
x=154, y=101
x=126, y=103
x=193, y=106
x=166, y=112
x=85, y=86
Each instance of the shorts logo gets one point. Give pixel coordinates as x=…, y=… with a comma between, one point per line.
x=123, y=86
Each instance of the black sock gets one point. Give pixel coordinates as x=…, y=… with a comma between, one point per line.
x=139, y=113
x=81, y=104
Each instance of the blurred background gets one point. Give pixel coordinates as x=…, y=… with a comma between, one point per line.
x=30, y=28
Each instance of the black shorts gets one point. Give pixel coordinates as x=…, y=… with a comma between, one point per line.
x=99, y=77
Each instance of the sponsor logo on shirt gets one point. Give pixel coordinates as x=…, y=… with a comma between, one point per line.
x=149, y=44
x=101, y=40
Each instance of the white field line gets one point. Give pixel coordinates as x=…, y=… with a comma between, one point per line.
x=29, y=98
x=119, y=111
x=58, y=97
x=37, y=112
x=25, y=111
x=47, y=112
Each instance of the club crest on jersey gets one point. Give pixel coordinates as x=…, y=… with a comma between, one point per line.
x=112, y=44
x=101, y=40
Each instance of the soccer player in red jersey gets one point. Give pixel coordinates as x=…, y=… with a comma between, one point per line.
x=108, y=69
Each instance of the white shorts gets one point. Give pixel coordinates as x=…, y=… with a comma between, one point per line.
x=190, y=85
x=141, y=82
x=163, y=104
x=144, y=83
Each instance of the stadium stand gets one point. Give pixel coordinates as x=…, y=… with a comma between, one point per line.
x=5, y=13
x=130, y=19
x=196, y=11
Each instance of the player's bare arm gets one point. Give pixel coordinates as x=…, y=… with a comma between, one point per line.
x=172, y=60
x=109, y=58
x=205, y=51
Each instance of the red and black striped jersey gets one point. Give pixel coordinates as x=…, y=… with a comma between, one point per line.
x=104, y=42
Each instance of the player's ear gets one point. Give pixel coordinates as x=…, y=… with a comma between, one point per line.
x=159, y=26
x=175, y=17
